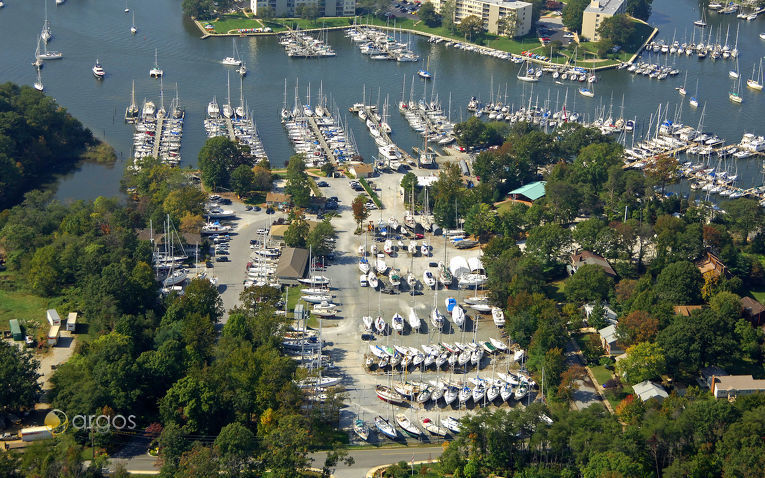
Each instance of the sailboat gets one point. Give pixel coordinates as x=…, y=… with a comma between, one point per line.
x=240, y=111
x=682, y=89
x=527, y=72
x=213, y=110
x=408, y=426
x=39, y=84
x=587, y=92
x=155, y=71
x=133, y=29
x=386, y=428
x=242, y=70
x=694, y=101
x=425, y=74
x=734, y=73
x=228, y=111
x=703, y=21
x=735, y=94
x=755, y=82
x=127, y=10
x=45, y=54
x=46, y=34
x=361, y=429
x=232, y=60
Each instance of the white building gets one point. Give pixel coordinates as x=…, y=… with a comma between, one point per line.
x=491, y=11
x=287, y=8
x=595, y=13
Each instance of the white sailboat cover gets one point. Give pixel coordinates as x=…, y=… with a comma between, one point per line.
x=458, y=266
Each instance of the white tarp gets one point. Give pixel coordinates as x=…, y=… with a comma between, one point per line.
x=458, y=266
x=475, y=264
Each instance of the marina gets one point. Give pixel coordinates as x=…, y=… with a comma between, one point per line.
x=299, y=44
x=158, y=132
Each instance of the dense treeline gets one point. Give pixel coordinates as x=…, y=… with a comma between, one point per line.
x=38, y=138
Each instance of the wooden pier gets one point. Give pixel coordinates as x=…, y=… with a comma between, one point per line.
x=327, y=150
x=158, y=136
x=230, y=129
x=372, y=114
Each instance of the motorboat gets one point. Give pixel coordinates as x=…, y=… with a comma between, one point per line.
x=434, y=429
x=451, y=424
x=586, y=92
x=498, y=316
x=458, y=316
x=397, y=322
x=380, y=265
x=386, y=428
x=389, y=395
x=315, y=280
x=414, y=319
x=372, y=279
x=361, y=429
x=325, y=309
x=380, y=325
x=429, y=279
x=368, y=322
x=98, y=71
x=482, y=308
x=501, y=346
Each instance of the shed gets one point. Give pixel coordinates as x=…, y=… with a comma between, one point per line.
x=292, y=265
x=464, y=169
x=53, y=318
x=15, y=329
x=71, y=322
x=528, y=193
x=53, y=334
x=647, y=390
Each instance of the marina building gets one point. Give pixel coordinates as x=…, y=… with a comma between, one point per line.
x=493, y=13
x=288, y=8
x=594, y=14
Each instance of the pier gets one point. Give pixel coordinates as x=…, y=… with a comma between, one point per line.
x=327, y=150
x=157, y=136
x=230, y=129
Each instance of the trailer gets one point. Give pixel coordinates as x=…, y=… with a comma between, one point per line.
x=53, y=335
x=53, y=318
x=71, y=322
x=35, y=433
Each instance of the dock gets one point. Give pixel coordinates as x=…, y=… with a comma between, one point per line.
x=157, y=136
x=327, y=150
x=230, y=129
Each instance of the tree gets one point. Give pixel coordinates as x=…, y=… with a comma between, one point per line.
x=242, y=180
x=428, y=15
x=471, y=26
x=644, y=361
x=287, y=446
x=447, y=192
x=359, y=208
x=202, y=296
x=617, y=29
x=548, y=242
x=296, y=234
x=630, y=410
x=447, y=15
x=266, y=13
x=507, y=25
x=236, y=445
x=680, y=283
x=639, y=8
x=408, y=185
x=192, y=403
x=199, y=462
x=297, y=181
x=663, y=170
x=589, y=284
x=200, y=9
x=572, y=14
x=744, y=216
x=217, y=158
x=636, y=327
x=18, y=376
x=320, y=238
x=480, y=221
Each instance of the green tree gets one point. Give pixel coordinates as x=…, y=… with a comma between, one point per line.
x=287, y=446
x=549, y=243
x=617, y=29
x=296, y=234
x=663, y=170
x=408, y=185
x=589, y=284
x=201, y=296
x=680, y=283
x=572, y=14
x=481, y=221
x=428, y=15
x=320, y=238
x=447, y=193
x=507, y=25
x=200, y=9
x=636, y=327
x=744, y=216
x=612, y=464
x=242, y=180
x=236, y=445
x=447, y=15
x=297, y=181
x=471, y=26
x=192, y=403
x=199, y=462
x=639, y=8
x=217, y=158
x=266, y=13
x=644, y=361
x=18, y=376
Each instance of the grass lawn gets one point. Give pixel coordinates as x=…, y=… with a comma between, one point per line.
x=602, y=374
x=28, y=308
x=229, y=23
x=555, y=290
x=324, y=22
x=226, y=23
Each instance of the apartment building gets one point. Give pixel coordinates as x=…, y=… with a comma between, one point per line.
x=491, y=11
x=594, y=14
x=288, y=8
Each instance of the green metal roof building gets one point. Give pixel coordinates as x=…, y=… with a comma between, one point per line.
x=16, y=329
x=529, y=192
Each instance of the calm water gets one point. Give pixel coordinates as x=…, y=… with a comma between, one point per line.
x=88, y=29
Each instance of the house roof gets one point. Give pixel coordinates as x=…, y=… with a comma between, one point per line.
x=292, y=263
x=685, y=310
x=587, y=257
x=361, y=168
x=738, y=382
x=608, y=334
x=608, y=7
x=751, y=306
x=532, y=191
x=647, y=390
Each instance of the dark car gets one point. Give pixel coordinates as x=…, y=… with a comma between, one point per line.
x=331, y=205
x=225, y=201
x=256, y=208
x=323, y=184
x=248, y=208
x=270, y=210
x=367, y=336
x=333, y=198
x=221, y=259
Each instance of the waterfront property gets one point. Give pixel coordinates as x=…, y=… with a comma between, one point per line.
x=494, y=13
x=286, y=8
x=595, y=13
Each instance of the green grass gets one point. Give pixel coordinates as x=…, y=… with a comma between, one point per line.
x=323, y=22
x=371, y=192
x=601, y=373
x=28, y=308
x=555, y=290
x=759, y=295
x=233, y=22
x=226, y=23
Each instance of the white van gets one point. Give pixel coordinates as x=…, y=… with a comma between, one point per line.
x=363, y=280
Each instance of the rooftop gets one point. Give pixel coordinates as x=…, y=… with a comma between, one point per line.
x=738, y=383
x=647, y=390
x=587, y=257
x=609, y=7
x=609, y=334
x=508, y=4
x=292, y=263
x=532, y=191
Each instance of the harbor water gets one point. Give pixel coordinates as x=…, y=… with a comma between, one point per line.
x=87, y=30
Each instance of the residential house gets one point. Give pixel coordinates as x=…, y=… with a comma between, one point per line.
x=278, y=200
x=712, y=266
x=361, y=170
x=609, y=313
x=648, y=390
x=753, y=310
x=731, y=386
x=493, y=14
x=587, y=257
x=609, y=340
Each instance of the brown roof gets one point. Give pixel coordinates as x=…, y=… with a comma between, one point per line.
x=587, y=257
x=751, y=306
x=292, y=263
x=685, y=309
x=361, y=168
x=739, y=382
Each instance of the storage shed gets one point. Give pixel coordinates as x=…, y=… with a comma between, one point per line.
x=15, y=329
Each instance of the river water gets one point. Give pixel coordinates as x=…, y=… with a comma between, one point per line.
x=85, y=30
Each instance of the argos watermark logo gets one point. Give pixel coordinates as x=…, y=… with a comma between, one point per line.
x=58, y=422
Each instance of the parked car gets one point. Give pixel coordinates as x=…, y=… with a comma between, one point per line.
x=256, y=208
x=221, y=259
x=248, y=208
x=323, y=184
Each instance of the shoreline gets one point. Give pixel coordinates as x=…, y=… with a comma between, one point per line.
x=481, y=49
